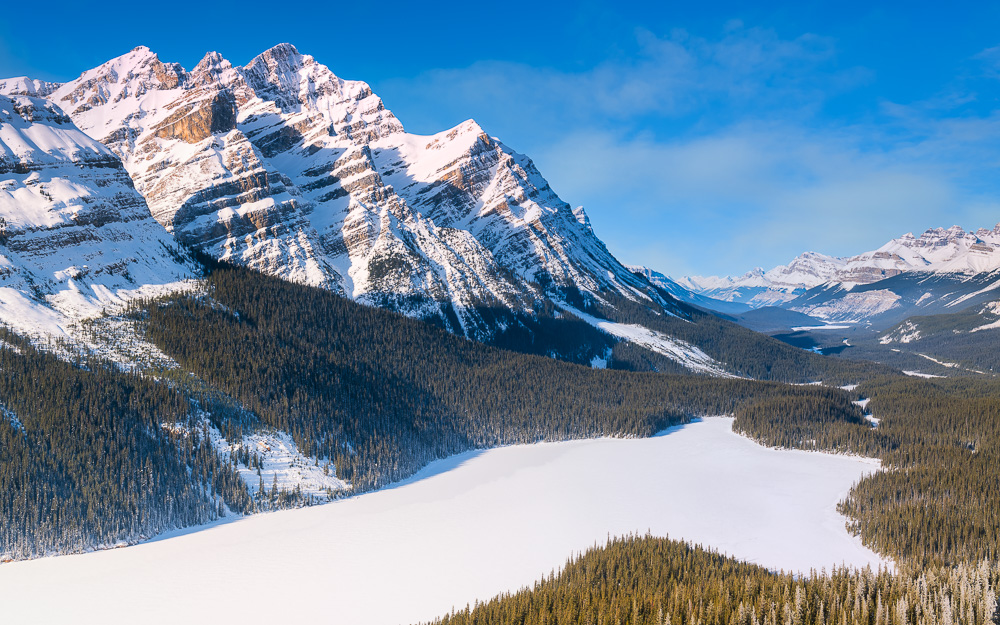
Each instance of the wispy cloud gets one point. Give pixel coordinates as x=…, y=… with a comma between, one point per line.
x=699, y=155
x=669, y=77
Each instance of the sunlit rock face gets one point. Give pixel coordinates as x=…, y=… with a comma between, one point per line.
x=282, y=166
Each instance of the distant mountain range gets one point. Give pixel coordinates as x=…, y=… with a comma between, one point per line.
x=941, y=270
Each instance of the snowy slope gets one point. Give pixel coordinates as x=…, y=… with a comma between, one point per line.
x=289, y=169
x=411, y=552
x=826, y=287
x=78, y=238
x=936, y=250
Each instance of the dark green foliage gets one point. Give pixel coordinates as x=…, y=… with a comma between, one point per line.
x=940, y=503
x=84, y=461
x=948, y=337
x=656, y=581
x=382, y=394
x=809, y=423
x=551, y=332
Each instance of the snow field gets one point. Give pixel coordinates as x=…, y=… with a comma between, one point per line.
x=282, y=464
x=463, y=529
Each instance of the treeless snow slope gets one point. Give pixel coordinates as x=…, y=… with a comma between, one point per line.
x=464, y=528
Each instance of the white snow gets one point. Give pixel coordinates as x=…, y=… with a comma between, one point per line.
x=464, y=528
x=823, y=327
x=936, y=361
x=917, y=374
x=863, y=404
x=969, y=296
x=682, y=352
x=907, y=332
x=853, y=307
x=282, y=464
x=988, y=326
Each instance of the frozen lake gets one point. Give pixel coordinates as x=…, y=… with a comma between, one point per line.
x=465, y=528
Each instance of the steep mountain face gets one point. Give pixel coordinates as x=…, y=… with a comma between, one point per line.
x=939, y=269
x=284, y=167
x=75, y=236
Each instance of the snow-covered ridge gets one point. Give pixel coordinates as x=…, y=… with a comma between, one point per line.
x=287, y=168
x=77, y=240
x=936, y=250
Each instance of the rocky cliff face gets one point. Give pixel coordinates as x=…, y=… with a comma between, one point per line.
x=75, y=236
x=283, y=166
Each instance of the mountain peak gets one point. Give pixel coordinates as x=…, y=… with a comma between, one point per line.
x=22, y=85
x=283, y=55
x=282, y=49
x=212, y=60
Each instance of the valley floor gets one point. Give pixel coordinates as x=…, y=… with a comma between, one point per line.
x=463, y=529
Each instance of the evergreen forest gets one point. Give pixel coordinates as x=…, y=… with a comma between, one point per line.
x=92, y=455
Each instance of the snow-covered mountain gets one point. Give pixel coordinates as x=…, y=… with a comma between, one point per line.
x=284, y=167
x=75, y=237
x=851, y=288
x=688, y=295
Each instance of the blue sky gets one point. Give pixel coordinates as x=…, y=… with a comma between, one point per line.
x=702, y=138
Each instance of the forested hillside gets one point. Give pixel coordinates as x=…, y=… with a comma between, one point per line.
x=657, y=581
x=85, y=459
x=382, y=394
x=94, y=456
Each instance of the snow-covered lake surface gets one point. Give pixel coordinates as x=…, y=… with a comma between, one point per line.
x=464, y=528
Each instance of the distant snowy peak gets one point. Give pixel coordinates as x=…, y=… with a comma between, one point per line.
x=23, y=85
x=76, y=237
x=939, y=250
x=285, y=167
x=686, y=294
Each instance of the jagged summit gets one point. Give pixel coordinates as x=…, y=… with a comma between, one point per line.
x=936, y=249
x=283, y=166
x=847, y=288
x=22, y=85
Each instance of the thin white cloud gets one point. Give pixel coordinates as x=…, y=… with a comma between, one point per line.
x=712, y=156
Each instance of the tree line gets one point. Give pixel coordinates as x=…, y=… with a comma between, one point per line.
x=382, y=394
x=657, y=581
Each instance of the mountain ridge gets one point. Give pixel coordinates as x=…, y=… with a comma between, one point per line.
x=847, y=288
x=285, y=167
x=76, y=239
